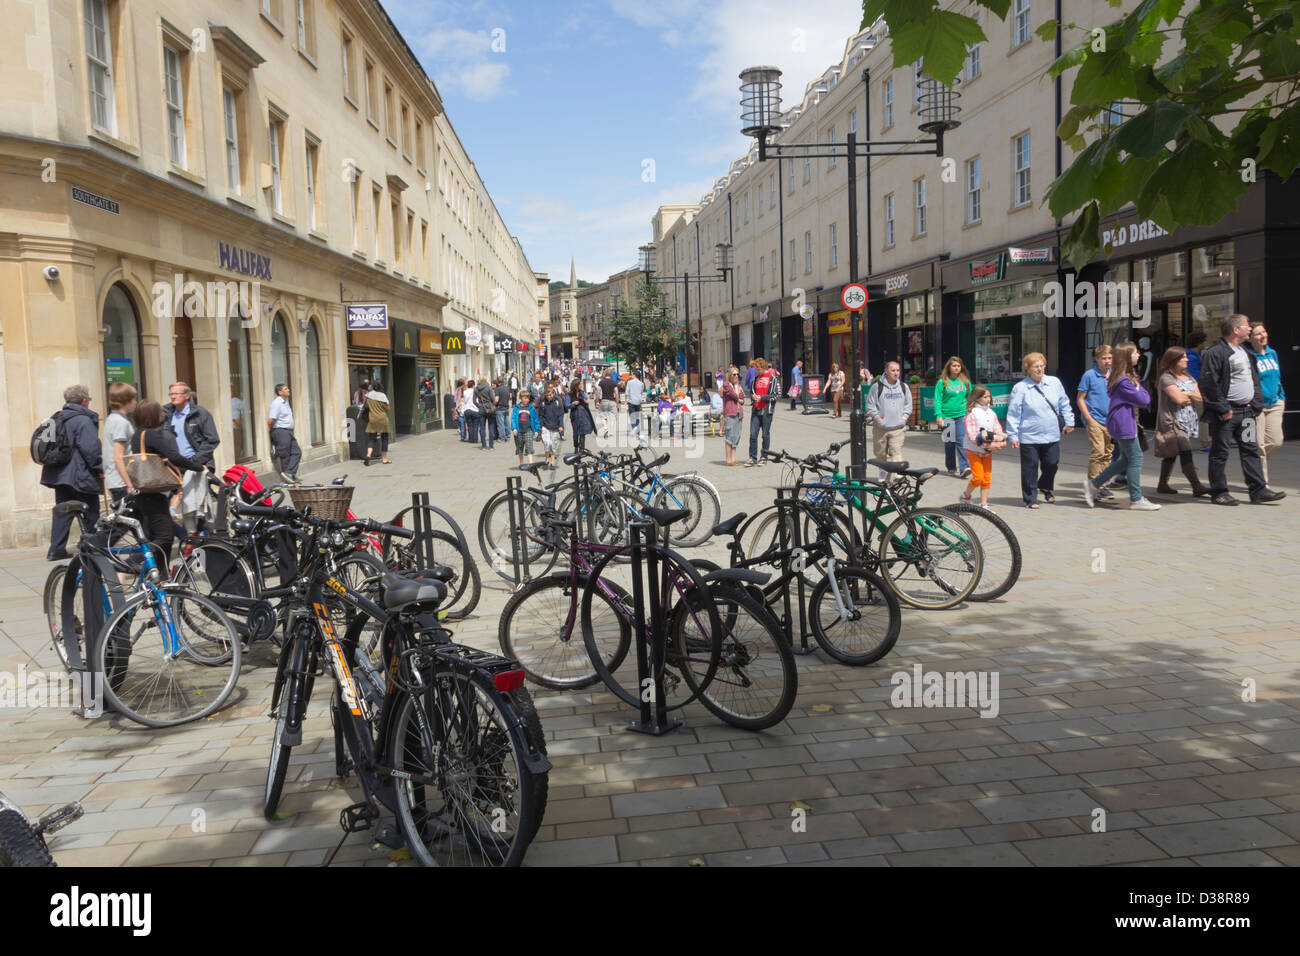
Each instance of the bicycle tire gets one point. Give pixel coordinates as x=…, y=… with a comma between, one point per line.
x=361, y=571
x=858, y=588
x=291, y=711
x=1000, y=547
x=729, y=694
x=199, y=666
x=465, y=588
x=699, y=528
x=760, y=536
x=494, y=530
x=911, y=547
x=52, y=601
x=20, y=846
x=218, y=569
x=479, y=742
x=559, y=658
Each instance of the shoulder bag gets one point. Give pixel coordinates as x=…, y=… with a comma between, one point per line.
x=151, y=473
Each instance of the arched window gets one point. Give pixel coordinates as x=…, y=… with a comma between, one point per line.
x=122, y=349
x=243, y=413
x=315, y=397
x=280, y=372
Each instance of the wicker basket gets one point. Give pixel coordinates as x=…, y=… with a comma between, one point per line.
x=326, y=501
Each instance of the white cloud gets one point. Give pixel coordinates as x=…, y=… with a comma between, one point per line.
x=465, y=61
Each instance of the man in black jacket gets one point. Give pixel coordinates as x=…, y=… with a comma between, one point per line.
x=196, y=438
x=82, y=477
x=1233, y=400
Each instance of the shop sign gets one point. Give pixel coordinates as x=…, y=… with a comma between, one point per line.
x=94, y=199
x=453, y=343
x=363, y=316
x=1133, y=232
x=504, y=345
x=473, y=336
x=1020, y=257
x=837, y=323
x=244, y=261
x=430, y=342
x=521, y=346
x=988, y=270
x=895, y=285
x=118, y=370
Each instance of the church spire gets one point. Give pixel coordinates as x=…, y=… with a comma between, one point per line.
x=573, y=274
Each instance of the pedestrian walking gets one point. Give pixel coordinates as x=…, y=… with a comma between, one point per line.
x=1094, y=401
x=524, y=425
x=764, y=407
x=608, y=402
x=951, y=393
x=1038, y=414
x=377, y=424
x=153, y=437
x=551, y=416
x=197, y=439
x=504, y=400
x=796, y=383
x=537, y=389
x=456, y=403
x=835, y=384
x=888, y=407
x=635, y=396
x=1270, y=385
x=280, y=420
x=982, y=435
x=1178, y=411
x=81, y=477
x=485, y=402
x=1233, y=398
x=733, y=411
x=580, y=415
x=1127, y=396
x=118, y=430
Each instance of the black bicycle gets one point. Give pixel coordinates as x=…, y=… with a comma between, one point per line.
x=22, y=843
x=442, y=735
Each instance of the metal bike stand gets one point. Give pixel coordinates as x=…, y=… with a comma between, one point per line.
x=792, y=537
x=98, y=576
x=420, y=501
x=518, y=550
x=650, y=663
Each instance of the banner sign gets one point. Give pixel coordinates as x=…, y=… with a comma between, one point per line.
x=813, y=395
x=988, y=270
x=94, y=199
x=504, y=345
x=837, y=323
x=367, y=316
x=453, y=343
x=473, y=336
x=1027, y=256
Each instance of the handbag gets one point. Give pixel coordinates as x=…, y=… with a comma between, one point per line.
x=1143, y=442
x=1060, y=419
x=151, y=473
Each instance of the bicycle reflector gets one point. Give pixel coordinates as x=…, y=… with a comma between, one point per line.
x=508, y=680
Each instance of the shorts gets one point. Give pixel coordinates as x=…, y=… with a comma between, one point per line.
x=550, y=441
x=887, y=442
x=524, y=442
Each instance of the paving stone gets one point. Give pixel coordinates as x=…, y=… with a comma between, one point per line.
x=717, y=838
x=1242, y=858
x=1259, y=783
x=860, y=847
x=990, y=854
x=804, y=853
x=1164, y=815
x=1001, y=768
x=589, y=851
x=766, y=856
x=666, y=801
x=1215, y=836
x=819, y=826
x=932, y=840
x=1039, y=806
x=919, y=818
x=1152, y=793
x=1090, y=849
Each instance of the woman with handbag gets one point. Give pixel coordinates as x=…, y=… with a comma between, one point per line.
x=377, y=423
x=154, y=467
x=1038, y=414
x=835, y=384
x=580, y=415
x=1177, y=421
x=1127, y=395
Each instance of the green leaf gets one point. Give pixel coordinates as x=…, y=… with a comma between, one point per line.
x=1047, y=31
x=1078, y=183
x=1279, y=144
x=1081, y=244
x=1146, y=134
x=1280, y=56
x=998, y=8
x=1192, y=187
x=1068, y=59
x=941, y=38
x=1121, y=181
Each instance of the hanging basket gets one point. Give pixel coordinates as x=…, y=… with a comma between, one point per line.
x=325, y=501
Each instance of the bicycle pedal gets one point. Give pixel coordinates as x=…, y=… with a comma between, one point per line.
x=357, y=817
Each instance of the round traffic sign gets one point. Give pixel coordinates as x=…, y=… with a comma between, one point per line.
x=854, y=296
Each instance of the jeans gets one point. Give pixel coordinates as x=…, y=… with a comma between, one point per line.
x=1223, y=436
x=634, y=418
x=950, y=457
x=286, y=449
x=503, y=424
x=1038, y=464
x=63, y=524
x=1128, y=460
x=472, y=422
x=460, y=425
x=759, y=420
x=486, y=439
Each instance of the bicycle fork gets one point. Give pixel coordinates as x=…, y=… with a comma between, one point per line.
x=845, y=610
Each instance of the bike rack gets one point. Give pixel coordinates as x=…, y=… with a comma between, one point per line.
x=518, y=550
x=650, y=665
x=98, y=575
x=792, y=537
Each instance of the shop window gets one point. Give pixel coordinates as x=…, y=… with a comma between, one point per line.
x=243, y=412
x=280, y=370
x=314, y=400
x=1213, y=267
x=123, y=352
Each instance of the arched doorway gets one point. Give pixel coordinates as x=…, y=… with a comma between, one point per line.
x=123, y=351
x=184, y=335
x=315, y=397
x=243, y=413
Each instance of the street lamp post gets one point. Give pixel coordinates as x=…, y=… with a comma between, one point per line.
x=648, y=263
x=760, y=114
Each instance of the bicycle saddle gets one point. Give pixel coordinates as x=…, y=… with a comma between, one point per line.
x=729, y=526
x=402, y=592
x=242, y=525
x=533, y=467
x=893, y=467
x=666, y=516
x=573, y=457
x=921, y=472
x=438, y=572
x=67, y=508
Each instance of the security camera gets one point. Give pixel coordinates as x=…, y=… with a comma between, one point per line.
x=50, y=272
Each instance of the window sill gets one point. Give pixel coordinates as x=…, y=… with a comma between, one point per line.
x=887, y=248
x=309, y=58
x=407, y=156
x=347, y=98
x=275, y=24
x=1021, y=45
x=284, y=220
x=186, y=175
x=379, y=264
x=391, y=142
x=372, y=122
x=1021, y=208
x=359, y=255
x=108, y=140
x=318, y=236
x=237, y=200
x=972, y=225
x=919, y=235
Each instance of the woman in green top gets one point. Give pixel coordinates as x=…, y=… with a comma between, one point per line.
x=950, y=406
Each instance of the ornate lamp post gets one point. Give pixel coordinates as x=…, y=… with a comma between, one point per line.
x=648, y=263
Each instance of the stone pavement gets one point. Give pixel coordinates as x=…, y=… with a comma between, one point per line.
x=1123, y=656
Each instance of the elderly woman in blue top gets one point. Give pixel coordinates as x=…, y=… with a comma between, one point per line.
x=1038, y=412
x=1270, y=384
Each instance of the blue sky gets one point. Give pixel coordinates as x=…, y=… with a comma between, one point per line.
x=561, y=121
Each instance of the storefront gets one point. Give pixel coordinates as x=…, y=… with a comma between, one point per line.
x=417, y=360
x=839, y=337
x=799, y=342
x=903, y=321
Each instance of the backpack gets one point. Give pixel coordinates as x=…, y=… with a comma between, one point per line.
x=50, y=443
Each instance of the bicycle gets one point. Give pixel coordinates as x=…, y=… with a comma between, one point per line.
x=21, y=842
x=645, y=486
x=442, y=735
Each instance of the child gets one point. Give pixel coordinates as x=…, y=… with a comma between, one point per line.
x=667, y=413
x=984, y=436
x=524, y=423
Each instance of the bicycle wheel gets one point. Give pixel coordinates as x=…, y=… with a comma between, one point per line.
x=217, y=569
x=360, y=571
x=998, y=544
x=495, y=543
x=465, y=793
x=845, y=541
x=755, y=683
x=538, y=629
x=930, y=558
x=855, y=617
x=696, y=495
x=160, y=669
x=464, y=589
x=52, y=600
x=761, y=536
x=289, y=716
x=19, y=844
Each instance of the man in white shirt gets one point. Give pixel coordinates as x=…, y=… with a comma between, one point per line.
x=635, y=395
x=280, y=420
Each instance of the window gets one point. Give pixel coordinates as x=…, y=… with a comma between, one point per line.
x=807, y=253
x=306, y=28
x=419, y=145
x=1180, y=263
x=390, y=119
x=1020, y=163
x=835, y=251
x=807, y=169
x=747, y=276
x=794, y=260
x=789, y=176
x=747, y=209
x=372, y=102
x=919, y=190
x=280, y=351
x=973, y=190
x=99, y=56
x=1020, y=23
x=230, y=113
x=355, y=188
x=315, y=397
x=853, y=121
x=972, y=62
x=395, y=217
x=275, y=138
x=406, y=130
x=889, y=220
x=174, y=92
x=349, y=84
x=888, y=119
x=762, y=271
x=424, y=248
x=916, y=82
x=243, y=414
x=271, y=10
x=376, y=197
x=312, y=157
x=774, y=268
x=831, y=163
x=1113, y=115
x=771, y=191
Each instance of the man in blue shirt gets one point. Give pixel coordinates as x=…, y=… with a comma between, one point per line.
x=279, y=418
x=1094, y=402
x=796, y=383
x=196, y=437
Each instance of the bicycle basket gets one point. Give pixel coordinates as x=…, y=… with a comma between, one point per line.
x=326, y=501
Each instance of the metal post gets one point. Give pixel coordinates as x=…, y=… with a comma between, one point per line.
x=686, y=320
x=857, y=420
x=651, y=649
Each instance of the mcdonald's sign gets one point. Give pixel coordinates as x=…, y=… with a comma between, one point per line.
x=453, y=343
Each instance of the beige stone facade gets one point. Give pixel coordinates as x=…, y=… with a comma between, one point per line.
x=160, y=154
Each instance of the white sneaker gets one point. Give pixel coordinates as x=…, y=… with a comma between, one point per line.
x=1089, y=492
x=1143, y=504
